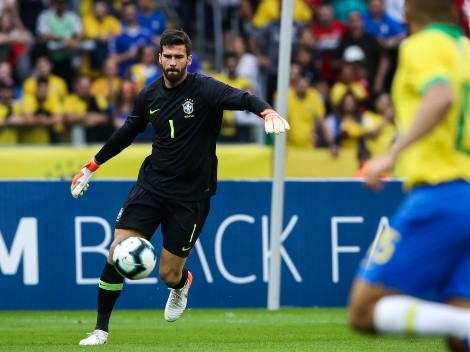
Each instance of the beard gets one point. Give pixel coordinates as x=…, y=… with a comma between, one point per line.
x=174, y=75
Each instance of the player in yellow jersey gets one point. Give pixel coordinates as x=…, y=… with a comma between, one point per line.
x=416, y=277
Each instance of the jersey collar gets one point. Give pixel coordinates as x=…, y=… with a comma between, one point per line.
x=453, y=30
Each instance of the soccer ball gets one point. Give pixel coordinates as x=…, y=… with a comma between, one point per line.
x=134, y=258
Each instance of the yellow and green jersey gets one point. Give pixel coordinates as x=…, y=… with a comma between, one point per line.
x=437, y=54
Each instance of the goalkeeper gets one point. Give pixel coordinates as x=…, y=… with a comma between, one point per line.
x=176, y=182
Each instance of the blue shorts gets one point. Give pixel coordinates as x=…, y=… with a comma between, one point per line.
x=426, y=253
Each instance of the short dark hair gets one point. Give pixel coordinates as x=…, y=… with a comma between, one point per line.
x=175, y=37
x=427, y=11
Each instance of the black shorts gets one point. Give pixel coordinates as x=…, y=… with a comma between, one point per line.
x=182, y=222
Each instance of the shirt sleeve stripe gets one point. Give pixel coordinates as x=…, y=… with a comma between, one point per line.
x=433, y=81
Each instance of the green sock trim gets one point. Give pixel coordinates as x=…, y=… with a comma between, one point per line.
x=110, y=287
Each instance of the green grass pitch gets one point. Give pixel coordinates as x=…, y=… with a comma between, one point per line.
x=220, y=330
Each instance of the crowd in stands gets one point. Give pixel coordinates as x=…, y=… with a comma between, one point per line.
x=69, y=70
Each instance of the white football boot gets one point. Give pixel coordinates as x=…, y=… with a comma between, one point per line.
x=97, y=337
x=177, y=301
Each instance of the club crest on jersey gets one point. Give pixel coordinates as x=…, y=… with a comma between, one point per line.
x=188, y=107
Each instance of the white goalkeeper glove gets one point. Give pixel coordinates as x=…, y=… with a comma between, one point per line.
x=80, y=181
x=273, y=122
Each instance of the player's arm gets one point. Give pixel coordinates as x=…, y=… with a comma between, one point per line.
x=123, y=137
x=225, y=97
x=437, y=100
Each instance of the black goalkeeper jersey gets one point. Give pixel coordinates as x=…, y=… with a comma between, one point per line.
x=186, y=120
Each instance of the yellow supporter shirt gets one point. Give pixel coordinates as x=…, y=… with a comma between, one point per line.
x=102, y=87
x=302, y=113
x=56, y=86
x=8, y=134
x=353, y=131
x=86, y=6
x=92, y=28
x=381, y=143
x=439, y=53
x=75, y=104
x=30, y=105
x=243, y=83
x=268, y=11
x=339, y=90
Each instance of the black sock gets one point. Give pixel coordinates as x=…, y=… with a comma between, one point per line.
x=109, y=289
x=182, y=282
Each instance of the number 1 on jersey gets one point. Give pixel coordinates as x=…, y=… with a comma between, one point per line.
x=172, y=129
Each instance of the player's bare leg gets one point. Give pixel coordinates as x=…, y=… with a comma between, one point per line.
x=362, y=301
x=179, y=279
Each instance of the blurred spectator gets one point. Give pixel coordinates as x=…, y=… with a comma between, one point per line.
x=395, y=9
x=9, y=118
x=231, y=21
x=328, y=33
x=89, y=111
x=28, y=11
x=463, y=7
x=351, y=132
x=123, y=106
x=246, y=11
x=14, y=39
x=62, y=31
x=247, y=63
x=43, y=70
x=228, y=132
x=303, y=56
x=264, y=44
x=376, y=60
x=343, y=8
x=99, y=27
x=305, y=53
x=151, y=18
x=314, y=4
x=108, y=84
x=41, y=115
x=294, y=74
x=379, y=124
x=349, y=81
x=250, y=127
x=6, y=77
x=146, y=70
x=305, y=37
x=305, y=108
x=387, y=31
x=8, y=5
x=85, y=7
x=269, y=11
x=124, y=47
